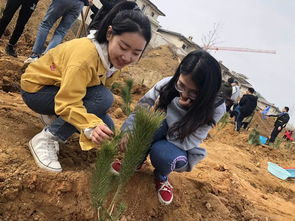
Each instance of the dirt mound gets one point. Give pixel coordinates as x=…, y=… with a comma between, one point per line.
x=154, y=66
x=264, y=126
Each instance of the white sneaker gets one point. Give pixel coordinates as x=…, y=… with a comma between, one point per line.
x=47, y=120
x=44, y=150
x=30, y=60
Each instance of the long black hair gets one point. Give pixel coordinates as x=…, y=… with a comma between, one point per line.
x=125, y=17
x=205, y=72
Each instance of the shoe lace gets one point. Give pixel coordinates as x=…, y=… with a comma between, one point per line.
x=52, y=149
x=166, y=186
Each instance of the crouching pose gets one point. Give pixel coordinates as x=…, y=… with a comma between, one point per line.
x=68, y=86
x=192, y=105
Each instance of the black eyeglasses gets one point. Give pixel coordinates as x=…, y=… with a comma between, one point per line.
x=181, y=88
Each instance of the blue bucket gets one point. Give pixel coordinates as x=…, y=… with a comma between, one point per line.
x=262, y=139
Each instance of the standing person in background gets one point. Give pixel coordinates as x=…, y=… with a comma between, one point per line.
x=246, y=107
x=94, y=10
x=69, y=85
x=107, y=5
x=280, y=123
x=226, y=92
x=26, y=10
x=235, y=92
x=68, y=11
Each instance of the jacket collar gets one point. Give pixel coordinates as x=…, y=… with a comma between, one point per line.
x=102, y=50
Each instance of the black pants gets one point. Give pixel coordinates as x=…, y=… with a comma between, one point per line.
x=274, y=134
x=27, y=8
x=240, y=119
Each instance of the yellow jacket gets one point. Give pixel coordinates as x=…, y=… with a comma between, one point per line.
x=73, y=66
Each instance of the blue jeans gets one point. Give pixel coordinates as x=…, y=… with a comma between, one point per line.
x=98, y=100
x=165, y=156
x=69, y=10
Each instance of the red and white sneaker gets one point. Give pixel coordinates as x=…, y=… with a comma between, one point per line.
x=164, y=190
x=116, y=167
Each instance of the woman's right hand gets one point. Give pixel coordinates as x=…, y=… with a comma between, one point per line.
x=123, y=143
x=101, y=133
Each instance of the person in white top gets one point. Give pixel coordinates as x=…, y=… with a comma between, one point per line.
x=236, y=91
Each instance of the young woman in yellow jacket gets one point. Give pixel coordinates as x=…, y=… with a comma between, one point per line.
x=68, y=85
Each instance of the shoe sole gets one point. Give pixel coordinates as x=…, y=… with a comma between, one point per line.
x=39, y=163
x=166, y=203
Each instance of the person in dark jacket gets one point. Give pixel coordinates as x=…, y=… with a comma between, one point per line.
x=94, y=10
x=280, y=123
x=226, y=92
x=247, y=105
x=107, y=5
x=27, y=7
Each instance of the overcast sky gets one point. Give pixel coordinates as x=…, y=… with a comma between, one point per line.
x=255, y=24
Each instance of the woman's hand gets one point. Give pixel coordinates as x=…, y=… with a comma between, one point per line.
x=101, y=133
x=123, y=143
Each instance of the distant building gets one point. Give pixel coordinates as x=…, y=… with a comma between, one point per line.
x=148, y=8
x=152, y=11
x=262, y=104
x=184, y=44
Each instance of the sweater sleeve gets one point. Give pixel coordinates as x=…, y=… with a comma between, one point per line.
x=273, y=115
x=148, y=100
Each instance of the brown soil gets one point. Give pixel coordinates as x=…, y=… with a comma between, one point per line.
x=232, y=183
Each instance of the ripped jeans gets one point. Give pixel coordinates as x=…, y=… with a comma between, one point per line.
x=165, y=156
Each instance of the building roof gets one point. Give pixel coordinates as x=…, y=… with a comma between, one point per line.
x=241, y=80
x=180, y=36
x=262, y=100
x=155, y=7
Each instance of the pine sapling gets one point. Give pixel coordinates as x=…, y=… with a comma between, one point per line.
x=102, y=178
x=277, y=143
x=288, y=144
x=140, y=139
x=254, y=137
x=103, y=182
x=223, y=121
x=126, y=96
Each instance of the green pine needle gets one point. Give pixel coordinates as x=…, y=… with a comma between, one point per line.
x=103, y=182
x=254, y=137
x=102, y=178
x=140, y=139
